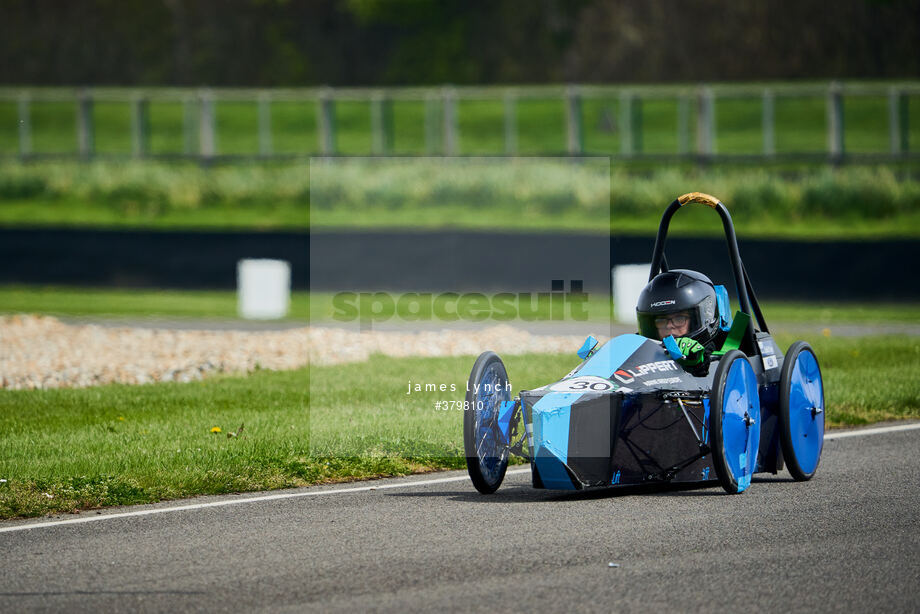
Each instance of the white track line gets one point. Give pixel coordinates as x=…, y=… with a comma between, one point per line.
x=198, y=506
x=875, y=431
x=353, y=489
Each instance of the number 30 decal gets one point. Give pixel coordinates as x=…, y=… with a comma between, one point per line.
x=588, y=383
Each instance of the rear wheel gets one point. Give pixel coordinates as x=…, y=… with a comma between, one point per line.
x=485, y=446
x=735, y=421
x=801, y=409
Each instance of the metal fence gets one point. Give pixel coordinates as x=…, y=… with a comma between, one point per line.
x=695, y=121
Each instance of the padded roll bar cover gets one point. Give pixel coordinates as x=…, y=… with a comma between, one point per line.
x=698, y=197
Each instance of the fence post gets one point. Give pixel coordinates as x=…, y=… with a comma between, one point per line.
x=188, y=126
x=265, y=124
x=85, y=130
x=25, y=126
x=432, y=144
x=451, y=133
x=377, y=124
x=626, y=127
x=705, y=123
x=389, y=125
x=326, y=116
x=835, y=143
x=381, y=124
x=573, y=118
x=894, y=129
x=683, y=125
x=510, y=123
x=207, y=136
x=768, y=123
x=140, y=127
x=898, y=122
x=636, y=124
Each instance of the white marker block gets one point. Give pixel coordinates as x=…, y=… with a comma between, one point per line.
x=263, y=288
x=628, y=281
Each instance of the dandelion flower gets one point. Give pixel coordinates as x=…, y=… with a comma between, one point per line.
x=215, y=429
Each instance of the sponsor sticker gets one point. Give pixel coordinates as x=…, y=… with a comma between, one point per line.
x=769, y=362
x=661, y=381
x=587, y=383
x=663, y=303
x=627, y=376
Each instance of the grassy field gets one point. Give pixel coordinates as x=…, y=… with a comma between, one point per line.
x=58, y=300
x=800, y=127
x=216, y=304
x=530, y=194
x=64, y=450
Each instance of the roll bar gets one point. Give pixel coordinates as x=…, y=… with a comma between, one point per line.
x=743, y=285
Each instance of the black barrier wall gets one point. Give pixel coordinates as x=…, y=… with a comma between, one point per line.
x=790, y=270
x=143, y=259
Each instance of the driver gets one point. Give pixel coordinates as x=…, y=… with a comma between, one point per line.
x=681, y=303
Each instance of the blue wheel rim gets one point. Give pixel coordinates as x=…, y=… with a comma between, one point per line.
x=806, y=411
x=740, y=422
x=490, y=449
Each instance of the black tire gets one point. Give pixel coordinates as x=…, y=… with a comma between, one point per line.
x=727, y=476
x=486, y=466
x=802, y=440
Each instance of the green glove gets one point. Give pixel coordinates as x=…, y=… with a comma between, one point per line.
x=693, y=351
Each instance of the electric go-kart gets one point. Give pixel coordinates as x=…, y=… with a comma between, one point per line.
x=630, y=414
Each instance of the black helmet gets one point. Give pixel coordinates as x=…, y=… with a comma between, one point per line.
x=679, y=290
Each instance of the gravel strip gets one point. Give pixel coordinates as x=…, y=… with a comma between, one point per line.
x=39, y=352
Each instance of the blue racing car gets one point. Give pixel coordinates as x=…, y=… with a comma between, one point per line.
x=699, y=394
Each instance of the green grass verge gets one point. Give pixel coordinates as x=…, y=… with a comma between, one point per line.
x=826, y=314
x=291, y=216
x=67, y=301
x=319, y=306
x=64, y=450
x=524, y=195
x=76, y=213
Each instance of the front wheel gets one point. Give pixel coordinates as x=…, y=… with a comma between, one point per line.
x=484, y=443
x=735, y=421
x=801, y=411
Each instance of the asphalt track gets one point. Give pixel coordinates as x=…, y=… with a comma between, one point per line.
x=849, y=540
